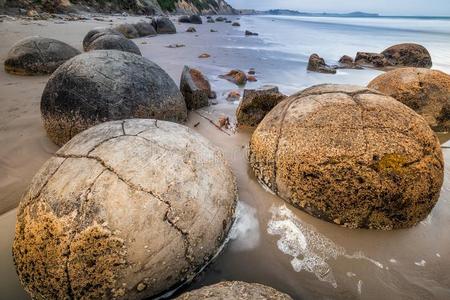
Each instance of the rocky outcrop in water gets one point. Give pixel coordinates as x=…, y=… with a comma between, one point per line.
x=351, y=156
x=317, y=64
x=235, y=76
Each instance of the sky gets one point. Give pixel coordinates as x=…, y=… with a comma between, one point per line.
x=384, y=7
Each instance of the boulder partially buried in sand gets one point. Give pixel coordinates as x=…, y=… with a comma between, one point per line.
x=37, y=55
x=106, y=85
x=408, y=55
x=96, y=33
x=145, y=29
x=351, y=156
x=256, y=104
x=128, y=30
x=114, y=42
x=163, y=25
x=425, y=91
x=237, y=77
x=235, y=290
x=195, y=88
x=125, y=210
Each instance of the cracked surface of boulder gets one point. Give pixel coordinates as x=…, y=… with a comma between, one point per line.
x=106, y=85
x=114, y=42
x=351, y=156
x=408, y=55
x=235, y=290
x=96, y=33
x=256, y=104
x=126, y=210
x=195, y=88
x=128, y=30
x=425, y=91
x=38, y=55
x=164, y=25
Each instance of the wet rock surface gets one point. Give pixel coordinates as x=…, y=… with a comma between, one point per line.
x=195, y=88
x=126, y=210
x=106, y=85
x=256, y=104
x=317, y=64
x=350, y=156
x=38, y=55
x=235, y=290
x=425, y=91
x=237, y=77
x=114, y=42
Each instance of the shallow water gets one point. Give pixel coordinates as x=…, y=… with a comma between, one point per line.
x=274, y=243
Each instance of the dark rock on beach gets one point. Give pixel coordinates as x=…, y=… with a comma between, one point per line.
x=164, y=25
x=317, y=64
x=195, y=88
x=145, y=29
x=191, y=29
x=95, y=33
x=256, y=104
x=235, y=76
x=37, y=55
x=408, y=55
x=105, y=85
x=128, y=30
x=114, y=42
x=193, y=19
x=236, y=24
x=368, y=59
x=249, y=33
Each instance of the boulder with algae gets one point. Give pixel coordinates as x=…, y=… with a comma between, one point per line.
x=125, y=210
x=349, y=155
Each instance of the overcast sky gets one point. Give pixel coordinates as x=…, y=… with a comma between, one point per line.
x=385, y=7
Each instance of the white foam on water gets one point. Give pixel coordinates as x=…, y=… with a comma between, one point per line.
x=310, y=250
x=360, y=283
x=393, y=260
x=350, y=274
x=245, y=233
x=421, y=263
x=427, y=220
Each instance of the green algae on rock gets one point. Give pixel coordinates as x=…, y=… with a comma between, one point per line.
x=349, y=155
x=126, y=210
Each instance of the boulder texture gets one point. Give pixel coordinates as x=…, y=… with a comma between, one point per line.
x=37, y=55
x=95, y=33
x=126, y=210
x=235, y=76
x=128, y=30
x=105, y=85
x=317, y=64
x=256, y=104
x=368, y=59
x=145, y=29
x=114, y=42
x=408, y=55
x=163, y=25
x=235, y=290
x=351, y=156
x=425, y=91
x=195, y=88
x=346, y=62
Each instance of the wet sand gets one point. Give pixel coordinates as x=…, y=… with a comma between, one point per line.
x=274, y=243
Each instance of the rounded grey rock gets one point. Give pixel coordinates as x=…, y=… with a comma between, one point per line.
x=114, y=42
x=95, y=33
x=106, y=85
x=164, y=25
x=145, y=29
x=128, y=30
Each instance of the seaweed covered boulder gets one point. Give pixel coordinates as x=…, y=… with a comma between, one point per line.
x=195, y=88
x=145, y=29
x=38, y=55
x=114, y=42
x=351, y=156
x=96, y=33
x=128, y=30
x=408, y=55
x=164, y=25
x=425, y=91
x=235, y=290
x=256, y=104
x=126, y=210
x=106, y=85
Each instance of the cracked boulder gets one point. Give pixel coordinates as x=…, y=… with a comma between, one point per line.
x=37, y=55
x=96, y=33
x=235, y=290
x=195, y=88
x=425, y=91
x=106, y=85
x=126, y=210
x=351, y=156
x=114, y=42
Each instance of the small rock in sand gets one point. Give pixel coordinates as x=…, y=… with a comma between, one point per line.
x=176, y=46
x=191, y=29
x=249, y=33
x=204, y=55
x=234, y=96
x=251, y=78
x=213, y=30
x=235, y=76
x=252, y=71
x=236, y=24
x=224, y=122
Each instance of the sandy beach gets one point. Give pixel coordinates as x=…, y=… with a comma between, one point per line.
x=359, y=264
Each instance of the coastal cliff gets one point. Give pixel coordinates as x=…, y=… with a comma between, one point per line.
x=149, y=7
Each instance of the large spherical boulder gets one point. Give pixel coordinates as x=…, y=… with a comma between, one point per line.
x=128, y=30
x=145, y=29
x=37, y=55
x=425, y=91
x=114, y=42
x=96, y=33
x=408, y=55
x=235, y=290
x=163, y=25
x=125, y=210
x=196, y=19
x=105, y=85
x=351, y=156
